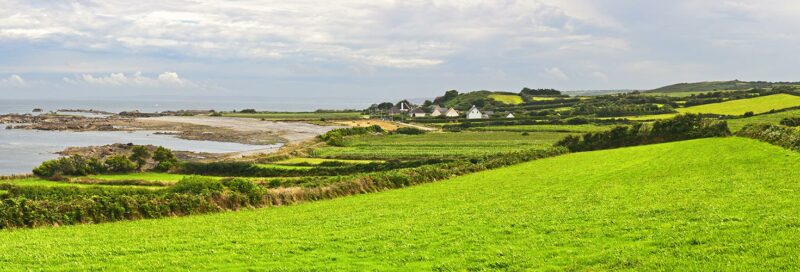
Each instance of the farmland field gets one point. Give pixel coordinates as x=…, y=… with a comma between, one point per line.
x=510, y=99
x=298, y=116
x=439, y=145
x=314, y=161
x=710, y=204
x=547, y=128
x=146, y=176
x=771, y=118
x=756, y=105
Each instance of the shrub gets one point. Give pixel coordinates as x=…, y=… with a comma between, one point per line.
x=140, y=155
x=682, y=127
x=119, y=164
x=409, y=131
x=165, y=159
x=791, y=121
x=72, y=166
x=748, y=114
x=197, y=185
x=788, y=137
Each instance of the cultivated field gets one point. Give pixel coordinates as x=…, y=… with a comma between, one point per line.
x=462, y=144
x=756, y=105
x=710, y=204
x=771, y=118
x=510, y=99
x=547, y=128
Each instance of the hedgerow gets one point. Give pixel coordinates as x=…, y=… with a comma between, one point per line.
x=682, y=127
x=788, y=137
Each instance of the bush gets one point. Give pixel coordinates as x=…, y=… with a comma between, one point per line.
x=791, y=121
x=71, y=166
x=248, y=111
x=197, y=185
x=140, y=155
x=788, y=137
x=119, y=164
x=409, y=131
x=682, y=127
x=165, y=159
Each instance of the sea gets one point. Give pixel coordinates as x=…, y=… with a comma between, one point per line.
x=22, y=150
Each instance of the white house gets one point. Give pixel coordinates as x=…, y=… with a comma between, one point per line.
x=510, y=115
x=451, y=113
x=418, y=112
x=474, y=113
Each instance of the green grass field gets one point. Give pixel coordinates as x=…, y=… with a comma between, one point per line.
x=298, y=116
x=48, y=183
x=771, y=118
x=547, y=128
x=710, y=204
x=439, y=144
x=510, y=99
x=734, y=107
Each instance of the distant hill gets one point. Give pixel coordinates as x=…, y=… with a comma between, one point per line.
x=710, y=86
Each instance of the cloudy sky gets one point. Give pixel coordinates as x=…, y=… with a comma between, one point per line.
x=381, y=48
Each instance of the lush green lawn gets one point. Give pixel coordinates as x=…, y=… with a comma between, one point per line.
x=712, y=204
x=547, y=128
x=510, y=99
x=439, y=144
x=771, y=118
x=298, y=116
x=48, y=183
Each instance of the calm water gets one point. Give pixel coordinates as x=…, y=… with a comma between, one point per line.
x=21, y=150
x=158, y=105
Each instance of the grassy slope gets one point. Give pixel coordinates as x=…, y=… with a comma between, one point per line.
x=712, y=204
x=708, y=86
x=735, y=107
x=511, y=99
x=772, y=118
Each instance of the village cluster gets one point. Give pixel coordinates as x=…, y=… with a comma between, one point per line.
x=419, y=112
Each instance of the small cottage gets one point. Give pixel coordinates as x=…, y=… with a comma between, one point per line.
x=418, y=112
x=474, y=113
x=510, y=115
x=451, y=113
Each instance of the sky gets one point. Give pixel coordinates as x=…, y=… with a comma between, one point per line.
x=385, y=49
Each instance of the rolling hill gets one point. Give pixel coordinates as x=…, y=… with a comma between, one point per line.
x=709, y=86
x=710, y=204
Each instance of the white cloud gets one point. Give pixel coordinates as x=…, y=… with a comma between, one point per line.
x=555, y=73
x=599, y=76
x=381, y=33
x=13, y=81
x=166, y=79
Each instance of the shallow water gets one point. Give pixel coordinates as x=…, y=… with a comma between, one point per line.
x=22, y=150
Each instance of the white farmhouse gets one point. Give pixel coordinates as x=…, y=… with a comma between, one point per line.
x=510, y=115
x=418, y=112
x=474, y=113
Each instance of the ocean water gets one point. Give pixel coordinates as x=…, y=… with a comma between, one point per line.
x=22, y=150
x=190, y=103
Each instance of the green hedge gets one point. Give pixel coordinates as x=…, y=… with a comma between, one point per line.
x=682, y=127
x=788, y=137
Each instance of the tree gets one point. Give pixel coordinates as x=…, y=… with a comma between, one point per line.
x=140, y=156
x=164, y=158
x=449, y=95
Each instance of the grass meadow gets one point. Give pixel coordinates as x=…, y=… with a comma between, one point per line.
x=548, y=128
x=770, y=118
x=511, y=99
x=756, y=105
x=438, y=145
x=710, y=204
